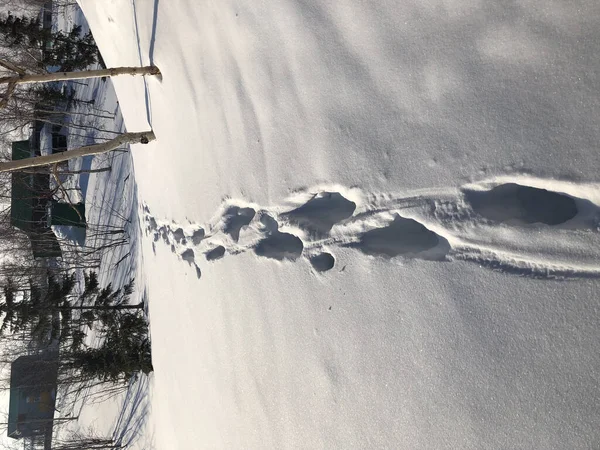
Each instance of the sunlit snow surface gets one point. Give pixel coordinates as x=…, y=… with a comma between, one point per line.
x=366, y=224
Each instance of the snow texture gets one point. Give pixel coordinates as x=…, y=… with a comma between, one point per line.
x=366, y=224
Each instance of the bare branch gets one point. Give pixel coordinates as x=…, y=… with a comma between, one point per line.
x=10, y=66
x=9, y=92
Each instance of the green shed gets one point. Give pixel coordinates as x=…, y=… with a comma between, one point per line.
x=33, y=210
x=33, y=384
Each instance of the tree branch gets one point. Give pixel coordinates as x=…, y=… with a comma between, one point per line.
x=9, y=92
x=10, y=66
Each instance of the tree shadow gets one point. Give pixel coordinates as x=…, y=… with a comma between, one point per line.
x=153, y=35
x=133, y=416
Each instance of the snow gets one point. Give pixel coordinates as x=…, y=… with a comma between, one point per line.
x=461, y=310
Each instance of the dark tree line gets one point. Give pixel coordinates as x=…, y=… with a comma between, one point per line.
x=65, y=51
x=52, y=313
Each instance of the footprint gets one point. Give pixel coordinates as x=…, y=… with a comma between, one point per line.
x=280, y=246
x=322, y=262
x=178, y=235
x=198, y=236
x=189, y=256
x=235, y=219
x=164, y=233
x=516, y=204
x=215, y=253
x=268, y=222
x=457, y=215
x=322, y=212
x=402, y=237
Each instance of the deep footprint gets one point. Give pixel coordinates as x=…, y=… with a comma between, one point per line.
x=235, y=218
x=322, y=212
x=163, y=233
x=215, y=253
x=269, y=223
x=402, y=237
x=198, y=236
x=513, y=203
x=322, y=262
x=178, y=235
x=188, y=255
x=280, y=246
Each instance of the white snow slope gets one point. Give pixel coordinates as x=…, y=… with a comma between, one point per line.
x=444, y=153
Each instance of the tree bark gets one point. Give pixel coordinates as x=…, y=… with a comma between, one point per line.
x=10, y=66
x=78, y=172
x=46, y=170
x=80, y=75
x=126, y=138
x=101, y=308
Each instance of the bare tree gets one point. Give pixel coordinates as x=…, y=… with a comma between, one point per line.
x=18, y=75
x=23, y=78
x=46, y=160
x=29, y=7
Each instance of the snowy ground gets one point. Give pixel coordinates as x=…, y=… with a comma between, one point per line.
x=112, y=204
x=366, y=224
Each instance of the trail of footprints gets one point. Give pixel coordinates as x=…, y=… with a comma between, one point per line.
x=438, y=226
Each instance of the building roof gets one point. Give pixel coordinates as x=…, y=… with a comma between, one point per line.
x=30, y=372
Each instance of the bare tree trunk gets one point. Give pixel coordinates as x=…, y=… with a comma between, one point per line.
x=84, y=74
x=45, y=170
x=101, y=308
x=126, y=138
x=77, y=172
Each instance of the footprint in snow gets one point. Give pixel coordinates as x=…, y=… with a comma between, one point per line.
x=235, y=218
x=405, y=237
x=189, y=256
x=322, y=262
x=197, y=236
x=515, y=204
x=330, y=220
x=215, y=253
x=280, y=246
x=178, y=235
x=321, y=213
